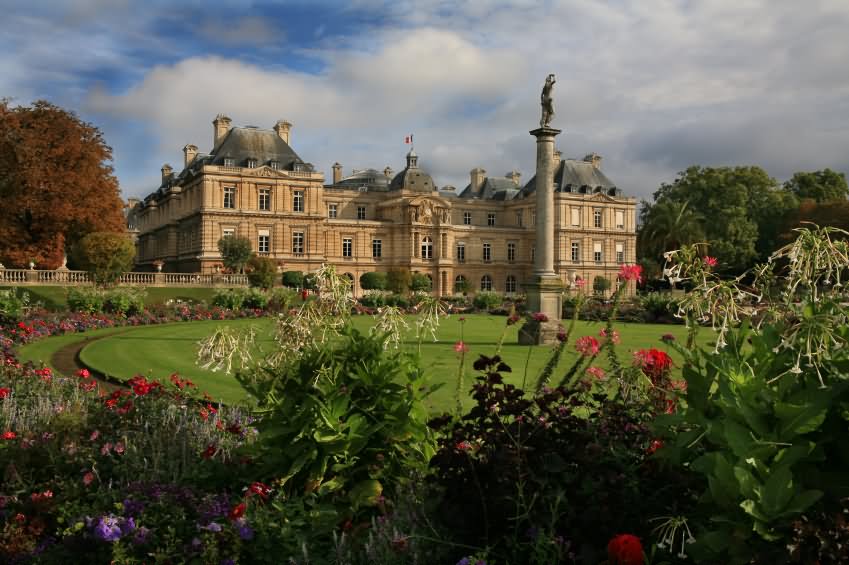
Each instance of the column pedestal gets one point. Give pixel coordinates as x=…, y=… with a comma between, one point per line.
x=546, y=296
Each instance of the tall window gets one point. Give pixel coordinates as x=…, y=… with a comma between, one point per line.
x=274, y=165
x=461, y=252
x=519, y=218
x=265, y=199
x=467, y=218
x=576, y=216
x=264, y=243
x=361, y=212
x=427, y=248
x=597, y=218
x=597, y=254
x=229, y=196
x=298, y=243
x=460, y=283
x=620, y=219
x=511, y=251
x=533, y=217
x=486, y=283
x=576, y=252
x=252, y=163
x=490, y=219
x=510, y=284
x=229, y=162
x=533, y=253
x=298, y=201
x=376, y=248
x=332, y=210
x=487, y=252
x=347, y=247
x=620, y=253
x=227, y=232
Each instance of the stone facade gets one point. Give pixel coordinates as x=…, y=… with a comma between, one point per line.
x=252, y=184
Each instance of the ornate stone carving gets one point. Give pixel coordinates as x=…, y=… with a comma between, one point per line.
x=547, y=101
x=426, y=214
x=414, y=213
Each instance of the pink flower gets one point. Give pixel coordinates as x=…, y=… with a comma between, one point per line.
x=654, y=446
x=614, y=335
x=539, y=317
x=667, y=338
x=119, y=448
x=580, y=283
x=463, y=446
x=631, y=273
x=587, y=345
x=83, y=373
x=94, y=435
x=107, y=447
x=88, y=478
x=597, y=372
x=710, y=261
x=461, y=347
x=9, y=435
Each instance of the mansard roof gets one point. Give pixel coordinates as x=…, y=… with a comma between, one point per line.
x=372, y=179
x=263, y=145
x=492, y=188
x=580, y=176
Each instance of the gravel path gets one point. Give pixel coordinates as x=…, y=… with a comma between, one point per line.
x=67, y=362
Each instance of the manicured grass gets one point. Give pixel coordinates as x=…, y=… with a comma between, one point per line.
x=55, y=298
x=41, y=352
x=158, y=351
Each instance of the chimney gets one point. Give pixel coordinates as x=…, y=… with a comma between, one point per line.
x=189, y=153
x=515, y=176
x=387, y=172
x=220, y=125
x=595, y=159
x=558, y=156
x=167, y=171
x=337, y=173
x=477, y=177
x=282, y=127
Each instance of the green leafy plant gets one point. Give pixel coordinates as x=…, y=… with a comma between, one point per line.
x=373, y=281
x=293, y=279
x=235, y=252
x=106, y=256
x=261, y=272
x=485, y=300
x=86, y=299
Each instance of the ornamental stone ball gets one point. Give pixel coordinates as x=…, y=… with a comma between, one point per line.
x=547, y=101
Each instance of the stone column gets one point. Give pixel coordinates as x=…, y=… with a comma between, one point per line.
x=545, y=288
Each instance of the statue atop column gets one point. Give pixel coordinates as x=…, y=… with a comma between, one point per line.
x=547, y=101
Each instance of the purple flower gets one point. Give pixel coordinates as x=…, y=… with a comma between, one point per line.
x=228, y=561
x=245, y=531
x=108, y=528
x=212, y=527
x=141, y=536
x=465, y=561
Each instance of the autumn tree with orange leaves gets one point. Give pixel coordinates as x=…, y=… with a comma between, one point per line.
x=56, y=184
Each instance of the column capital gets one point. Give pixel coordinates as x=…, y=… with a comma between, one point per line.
x=545, y=132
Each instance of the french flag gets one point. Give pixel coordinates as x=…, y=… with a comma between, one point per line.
x=409, y=139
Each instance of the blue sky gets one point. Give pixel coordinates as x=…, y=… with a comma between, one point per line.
x=653, y=86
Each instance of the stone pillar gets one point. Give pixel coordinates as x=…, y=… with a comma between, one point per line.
x=545, y=288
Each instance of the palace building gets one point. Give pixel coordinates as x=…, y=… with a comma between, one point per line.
x=253, y=184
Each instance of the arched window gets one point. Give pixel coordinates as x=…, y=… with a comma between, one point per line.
x=510, y=285
x=427, y=248
x=461, y=284
x=486, y=282
x=350, y=278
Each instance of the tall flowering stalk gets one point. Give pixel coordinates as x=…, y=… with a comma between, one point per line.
x=390, y=322
x=430, y=310
x=461, y=349
x=563, y=339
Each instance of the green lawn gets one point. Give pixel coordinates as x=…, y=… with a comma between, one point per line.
x=158, y=351
x=55, y=297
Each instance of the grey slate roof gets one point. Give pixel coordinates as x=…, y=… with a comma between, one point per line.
x=413, y=179
x=373, y=179
x=243, y=143
x=573, y=175
x=493, y=188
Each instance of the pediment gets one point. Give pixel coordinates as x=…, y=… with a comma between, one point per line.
x=600, y=197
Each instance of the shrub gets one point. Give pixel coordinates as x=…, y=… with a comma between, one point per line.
x=125, y=300
x=235, y=252
x=261, y=272
x=372, y=300
x=13, y=303
x=310, y=281
x=255, y=298
x=86, y=299
x=231, y=298
x=373, y=281
x=279, y=299
x=487, y=300
x=293, y=279
x=420, y=282
x=601, y=285
x=659, y=305
x=398, y=281
x=398, y=300
x=106, y=256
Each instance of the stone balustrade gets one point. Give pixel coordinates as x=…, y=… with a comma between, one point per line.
x=15, y=277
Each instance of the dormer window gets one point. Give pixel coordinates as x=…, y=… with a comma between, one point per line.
x=229, y=162
x=299, y=168
x=252, y=163
x=274, y=165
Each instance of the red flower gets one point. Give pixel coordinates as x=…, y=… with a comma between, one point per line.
x=461, y=347
x=625, y=549
x=238, y=511
x=4, y=392
x=9, y=435
x=260, y=490
x=631, y=273
x=463, y=446
x=83, y=374
x=587, y=345
x=614, y=335
x=539, y=317
x=209, y=452
x=654, y=363
x=654, y=446
x=597, y=372
x=88, y=478
x=710, y=261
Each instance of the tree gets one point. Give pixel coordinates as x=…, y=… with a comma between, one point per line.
x=398, y=280
x=293, y=279
x=420, y=283
x=235, y=252
x=56, y=184
x=261, y=272
x=667, y=225
x=834, y=213
x=106, y=256
x=740, y=211
x=601, y=285
x=373, y=281
x=462, y=285
x=820, y=186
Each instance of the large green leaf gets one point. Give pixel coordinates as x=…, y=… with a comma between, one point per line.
x=802, y=418
x=738, y=437
x=365, y=493
x=777, y=492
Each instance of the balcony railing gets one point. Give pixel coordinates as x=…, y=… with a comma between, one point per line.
x=27, y=277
